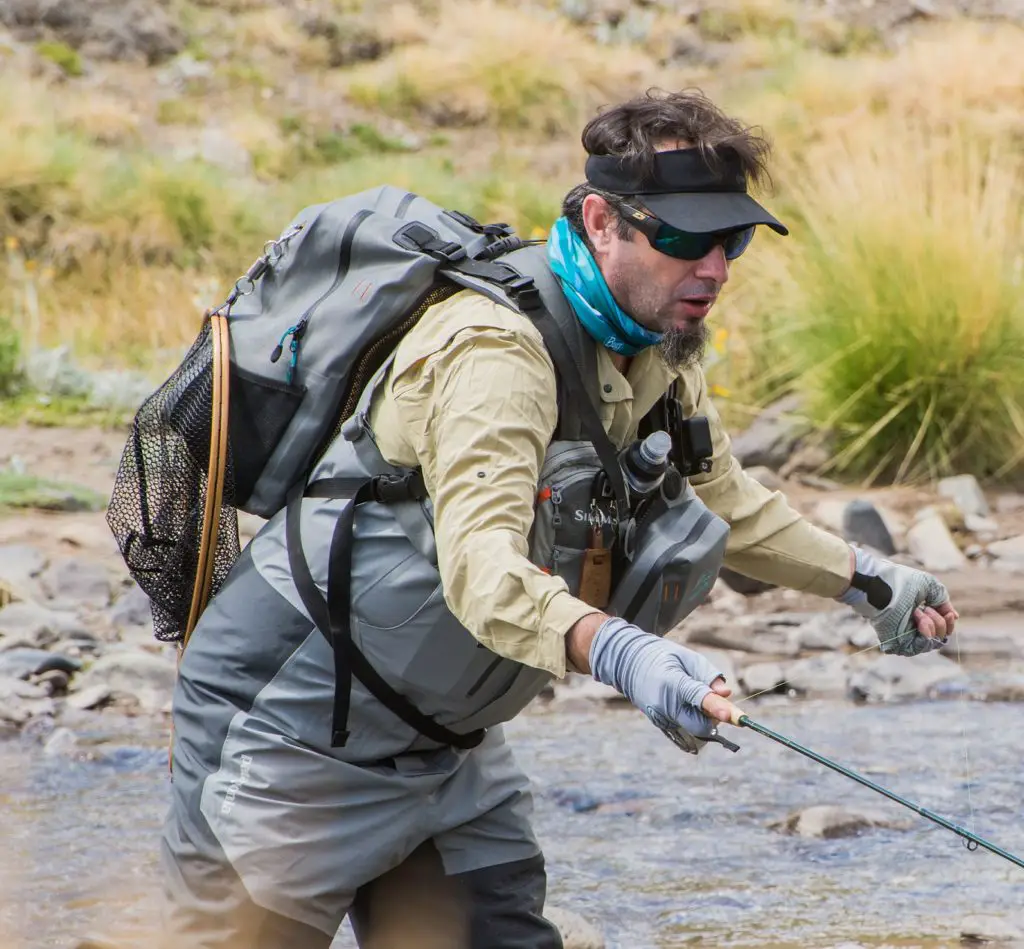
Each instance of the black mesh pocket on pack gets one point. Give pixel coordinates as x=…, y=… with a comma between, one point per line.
x=261, y=410
x=156, y=507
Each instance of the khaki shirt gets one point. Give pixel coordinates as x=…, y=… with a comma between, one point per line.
x=471, y=398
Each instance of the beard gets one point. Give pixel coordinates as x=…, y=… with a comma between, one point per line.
x=682, y=348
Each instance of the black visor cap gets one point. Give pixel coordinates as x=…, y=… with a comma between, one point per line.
x=683, y=190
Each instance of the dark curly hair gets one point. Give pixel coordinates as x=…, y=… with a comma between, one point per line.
x=634, y=129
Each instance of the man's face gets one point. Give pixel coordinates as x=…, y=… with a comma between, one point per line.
x=662, y=293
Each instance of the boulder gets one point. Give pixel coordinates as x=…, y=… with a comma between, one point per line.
x=863, y=524
x=771, y=438
x=37, y=625
x=1009, y=553
x=886, y=678
x=829, y=821
x=988, y=930
x=965, y=492
x=74, y=582
x=20, y=663
x=146, y=677
x=931, y=543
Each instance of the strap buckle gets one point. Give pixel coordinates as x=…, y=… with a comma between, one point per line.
x=389, y=488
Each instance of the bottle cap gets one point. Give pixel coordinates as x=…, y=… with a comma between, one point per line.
x=655, y=448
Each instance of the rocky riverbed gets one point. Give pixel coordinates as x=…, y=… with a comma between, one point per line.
x=654, y=847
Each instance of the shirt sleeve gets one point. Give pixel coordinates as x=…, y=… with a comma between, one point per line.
x=768, y=539
x=479, y=414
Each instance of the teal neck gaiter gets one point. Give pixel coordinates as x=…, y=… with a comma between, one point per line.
x=585, y=288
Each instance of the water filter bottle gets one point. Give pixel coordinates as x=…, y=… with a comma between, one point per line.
x=645, y=462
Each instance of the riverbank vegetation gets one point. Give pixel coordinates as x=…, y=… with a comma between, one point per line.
x=132, y=193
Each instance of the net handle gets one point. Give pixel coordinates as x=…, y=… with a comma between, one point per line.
x=215, y=473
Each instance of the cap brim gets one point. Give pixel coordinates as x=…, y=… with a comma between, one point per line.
x=705, y=212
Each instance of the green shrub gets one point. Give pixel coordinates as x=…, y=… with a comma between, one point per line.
x=62, y=55
x=902, y=303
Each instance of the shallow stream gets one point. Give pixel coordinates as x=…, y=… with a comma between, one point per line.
x=658, y=849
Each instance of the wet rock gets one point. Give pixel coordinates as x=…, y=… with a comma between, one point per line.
x=1005, y=688
x=931, y=543
x=830, y=514
x=55, y=682
x=576, y=932
x=770, y=440
x=21, y=663
x=988, y=642
x=863, y=524
x=1000, y=930
x=746, y=586
x=20, y=567
x=147, y=678
x=61, y=744
x=1009, y=553
x=75, y=582
x=1009, y=503
x=131, y=609
x=984, y=527
x=580, y=690
x=761, y=677
x=752, y=634
x=892, y=678
x=965, y=492
x=828, y=821
x=20, y=702
x=765, y=477
x=833, y=630
x=817, y=676
x=37, y=625
x=92, y=696
x=806, y=459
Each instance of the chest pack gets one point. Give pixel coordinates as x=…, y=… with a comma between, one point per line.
x=277, y=372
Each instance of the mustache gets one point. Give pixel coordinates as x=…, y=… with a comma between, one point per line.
x=700, y=288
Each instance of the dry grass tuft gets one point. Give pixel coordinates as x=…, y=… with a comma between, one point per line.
x=505, y=68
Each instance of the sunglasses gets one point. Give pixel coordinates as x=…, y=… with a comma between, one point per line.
x=682, y=244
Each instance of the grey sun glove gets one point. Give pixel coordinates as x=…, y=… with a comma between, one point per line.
x=666, y=681
x=887, y=594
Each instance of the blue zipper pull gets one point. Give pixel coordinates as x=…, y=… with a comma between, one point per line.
x=279, y=348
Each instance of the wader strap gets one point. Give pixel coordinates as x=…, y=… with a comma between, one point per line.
x=333, y=615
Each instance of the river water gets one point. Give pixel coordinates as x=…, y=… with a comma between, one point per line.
x=659, y=849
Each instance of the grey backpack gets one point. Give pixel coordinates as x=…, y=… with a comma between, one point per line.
x=306, y=327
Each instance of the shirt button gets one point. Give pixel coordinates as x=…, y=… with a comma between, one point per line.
x=607, y=387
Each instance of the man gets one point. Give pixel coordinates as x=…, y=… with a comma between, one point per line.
x=283, y=818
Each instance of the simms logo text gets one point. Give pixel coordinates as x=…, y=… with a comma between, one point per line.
x=243, y=776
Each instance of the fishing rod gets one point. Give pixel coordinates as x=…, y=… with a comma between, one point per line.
x=972, y=841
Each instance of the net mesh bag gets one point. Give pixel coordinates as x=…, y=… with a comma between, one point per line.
x=157, y=504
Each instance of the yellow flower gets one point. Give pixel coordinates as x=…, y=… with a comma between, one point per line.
x=30, y=265
x=718, y=390
x=11, y=243
x=538, y=233
x=721, y=339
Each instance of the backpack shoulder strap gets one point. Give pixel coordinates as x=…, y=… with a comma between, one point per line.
x=522, y=281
